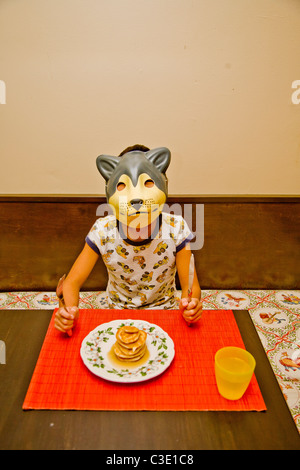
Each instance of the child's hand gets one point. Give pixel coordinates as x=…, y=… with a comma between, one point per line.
x=65, y=318
x=191, y=310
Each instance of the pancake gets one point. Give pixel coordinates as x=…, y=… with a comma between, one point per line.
x=136, y=344
x=125, y=357
x=128, y=334
x=129, y=352
x=131, y=344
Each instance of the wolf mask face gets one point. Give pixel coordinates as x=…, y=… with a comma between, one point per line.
x=136, y=184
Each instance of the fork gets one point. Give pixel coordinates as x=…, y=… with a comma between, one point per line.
x=60, y=296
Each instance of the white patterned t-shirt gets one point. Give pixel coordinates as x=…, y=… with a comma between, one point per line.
x=140, y=274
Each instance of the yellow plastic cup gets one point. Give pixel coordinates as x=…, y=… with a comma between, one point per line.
x=234, y=368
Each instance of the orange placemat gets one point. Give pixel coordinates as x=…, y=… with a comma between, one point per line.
x=61, y=381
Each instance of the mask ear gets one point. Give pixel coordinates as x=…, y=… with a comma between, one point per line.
x=160, y=157
x=106, y=165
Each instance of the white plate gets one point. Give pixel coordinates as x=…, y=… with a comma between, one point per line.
x=97, y=344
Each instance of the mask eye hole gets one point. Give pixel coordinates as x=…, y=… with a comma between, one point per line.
x=121, y=186
x=149, y=183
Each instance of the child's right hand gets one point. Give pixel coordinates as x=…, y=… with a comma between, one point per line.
x=65, y=318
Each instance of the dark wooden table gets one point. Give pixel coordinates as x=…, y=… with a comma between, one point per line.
x=23, y=332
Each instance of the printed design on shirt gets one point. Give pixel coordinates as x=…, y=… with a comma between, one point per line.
x=125, y=287
x=110, y=267
x=129, y=281
x=171, y=220
x=122, y=251
x=105, y=240
x=162, y=276
x=147, y=277
x=137, y=249
x=106, y=256
x=170, y=291
x=146, y=287
x=111, y=224
x=125, y=267
x=140, y=260
x=143, y=297
x=114, y=297
x=161, y=248
x=161, y=262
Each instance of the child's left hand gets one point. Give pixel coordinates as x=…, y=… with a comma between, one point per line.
x=191, y=310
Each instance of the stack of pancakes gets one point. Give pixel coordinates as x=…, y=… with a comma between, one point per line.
x=131, y=343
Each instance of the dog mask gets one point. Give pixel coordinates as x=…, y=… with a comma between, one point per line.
x=136, y=184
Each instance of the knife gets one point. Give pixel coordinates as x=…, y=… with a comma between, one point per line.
x=191, y=276
x=191, y=279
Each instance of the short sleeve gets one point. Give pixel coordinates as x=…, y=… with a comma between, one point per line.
x=183, y=236
x=99, y=234
x=175, y=227
x=92, y=240
x=92, y=245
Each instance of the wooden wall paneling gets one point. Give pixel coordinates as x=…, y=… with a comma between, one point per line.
x=249, y=242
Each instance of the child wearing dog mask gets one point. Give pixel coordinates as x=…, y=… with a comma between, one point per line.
x=141, y=246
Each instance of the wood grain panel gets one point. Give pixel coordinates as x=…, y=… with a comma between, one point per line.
x=249, y=242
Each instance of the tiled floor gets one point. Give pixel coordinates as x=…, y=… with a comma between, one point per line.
x=275, y=315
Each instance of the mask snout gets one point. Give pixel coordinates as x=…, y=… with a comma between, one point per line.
x=137, y=203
